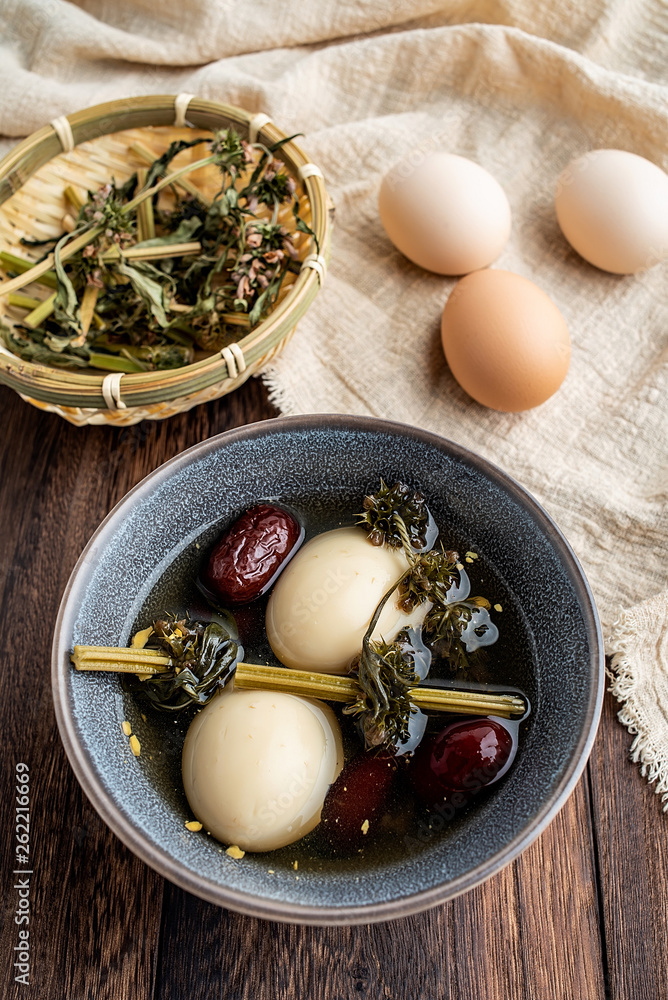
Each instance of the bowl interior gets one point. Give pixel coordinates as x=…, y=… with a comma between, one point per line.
x=142, y=560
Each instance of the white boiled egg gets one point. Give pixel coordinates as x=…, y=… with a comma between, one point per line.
x=257, y=765
x=324, y=600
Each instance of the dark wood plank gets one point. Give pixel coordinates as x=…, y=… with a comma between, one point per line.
x=84, y=883
x=106, y=927
x=95, y=909
x=632, y=837
x=531, y=931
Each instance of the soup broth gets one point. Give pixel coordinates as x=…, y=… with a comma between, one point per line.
x=406, y=826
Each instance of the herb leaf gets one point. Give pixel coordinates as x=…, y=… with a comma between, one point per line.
x=159, y=167
x=67, y=303
x=147, y=288
x=396, y=515
x=204, y=657
x=184, y=232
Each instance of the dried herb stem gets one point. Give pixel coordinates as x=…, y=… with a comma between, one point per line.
x=333, y=687
x=145, y=218
x=471, y=702
x=38, y=272
x=152, y=253
x=166, y=181
x=184, y=184
x=302, y=683
x=118, y=659
x=22, y=301
x=10, y=262
x=235, y=319
x=40, y=312
x=88, y=303
x=400, y=525
x=73, y=197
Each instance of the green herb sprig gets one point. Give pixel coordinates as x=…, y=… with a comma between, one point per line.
x=203, y=657
x=394, y=514
x=385, y=675
x=399, y=517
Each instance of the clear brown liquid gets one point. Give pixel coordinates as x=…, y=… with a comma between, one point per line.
x=406, y=827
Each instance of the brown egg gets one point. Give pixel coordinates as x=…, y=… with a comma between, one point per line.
x=505, y=341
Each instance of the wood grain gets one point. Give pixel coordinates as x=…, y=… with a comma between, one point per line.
x=96, y=909
x=581, y=914
x=631, y=832
x=503, y=939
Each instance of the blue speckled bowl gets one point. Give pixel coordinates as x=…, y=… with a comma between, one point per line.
x=143, y=552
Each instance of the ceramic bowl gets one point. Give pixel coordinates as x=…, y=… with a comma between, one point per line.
x=142, y=560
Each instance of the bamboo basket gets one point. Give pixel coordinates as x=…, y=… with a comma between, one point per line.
x=85, y=150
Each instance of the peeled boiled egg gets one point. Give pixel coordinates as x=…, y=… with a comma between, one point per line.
x=324, y=600
x=612, y=207
x=257, y=765
x=445, y=213
x=505, y=341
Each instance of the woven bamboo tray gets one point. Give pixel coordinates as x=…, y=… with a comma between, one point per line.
x=85, y=150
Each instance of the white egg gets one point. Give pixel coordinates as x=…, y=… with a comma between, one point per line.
x=257, y=765
x=324, y=600
x=612, y=207
x=445, y=213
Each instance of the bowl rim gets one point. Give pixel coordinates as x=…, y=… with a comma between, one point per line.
x=290, y=912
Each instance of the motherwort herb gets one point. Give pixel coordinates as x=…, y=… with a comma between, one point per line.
x=191, y=661
x=399, y=517
x=202, y=657
x=394, y=514
x=154, y=271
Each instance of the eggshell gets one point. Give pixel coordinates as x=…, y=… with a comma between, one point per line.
x=257, y=765
x=323, y=601
x=445, y=213
x=612, y=207
x=505, y=341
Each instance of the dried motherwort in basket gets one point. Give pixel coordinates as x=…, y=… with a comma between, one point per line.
x=153, y=270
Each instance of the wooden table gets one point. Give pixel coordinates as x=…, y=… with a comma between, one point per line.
x=583, y=913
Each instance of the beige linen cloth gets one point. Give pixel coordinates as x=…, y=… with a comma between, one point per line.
x=520, y=87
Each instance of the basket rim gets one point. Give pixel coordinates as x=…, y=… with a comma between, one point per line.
x=78, y=389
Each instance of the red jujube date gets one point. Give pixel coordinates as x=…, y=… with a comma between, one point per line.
x=358, y=796
x=465, y=757
x=250, y=554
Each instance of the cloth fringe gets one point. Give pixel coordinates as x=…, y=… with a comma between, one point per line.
x=649, y=747
x=278, y=392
